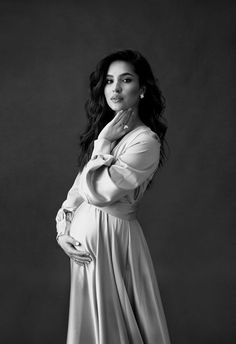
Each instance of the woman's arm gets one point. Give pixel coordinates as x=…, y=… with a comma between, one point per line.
x=73, y=199
x=105, y=179
x=72, y=202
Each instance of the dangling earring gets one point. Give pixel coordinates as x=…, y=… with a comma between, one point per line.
x=141, y=95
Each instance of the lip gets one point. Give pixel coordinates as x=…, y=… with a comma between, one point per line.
x=116, y=99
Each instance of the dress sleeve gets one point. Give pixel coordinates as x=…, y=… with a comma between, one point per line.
x=73, y=199
x=106, y=178
x=68, y=207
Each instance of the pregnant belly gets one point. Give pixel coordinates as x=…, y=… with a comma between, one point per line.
x=84, y=227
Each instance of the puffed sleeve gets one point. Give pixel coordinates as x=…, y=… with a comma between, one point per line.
x=73, y=199
x=106, y=178
x=66, y=213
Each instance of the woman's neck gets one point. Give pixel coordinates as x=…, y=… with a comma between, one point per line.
x=137, y=120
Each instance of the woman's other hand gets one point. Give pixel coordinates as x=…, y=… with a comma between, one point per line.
x=72, y=248
x=122, y=123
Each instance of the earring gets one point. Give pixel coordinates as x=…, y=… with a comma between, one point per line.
x=141, y=95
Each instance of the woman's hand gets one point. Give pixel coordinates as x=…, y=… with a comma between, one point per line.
x=118, y=126
x=69, y=244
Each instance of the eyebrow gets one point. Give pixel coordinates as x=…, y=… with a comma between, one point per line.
x=121, y=74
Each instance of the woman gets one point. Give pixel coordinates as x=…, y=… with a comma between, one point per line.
x=114, y=294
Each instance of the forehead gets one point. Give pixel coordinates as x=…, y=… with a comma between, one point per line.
x=120, y=67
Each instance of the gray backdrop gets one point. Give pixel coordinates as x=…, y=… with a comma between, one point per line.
x=48, y=49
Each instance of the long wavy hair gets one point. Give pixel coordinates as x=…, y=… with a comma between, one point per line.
x=150, y=110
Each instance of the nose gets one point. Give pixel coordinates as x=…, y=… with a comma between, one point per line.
x=116, y=87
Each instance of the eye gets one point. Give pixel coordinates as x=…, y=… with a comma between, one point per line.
x=109, y=81
x=127, y=80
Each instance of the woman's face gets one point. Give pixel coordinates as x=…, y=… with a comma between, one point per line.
x=122, y=89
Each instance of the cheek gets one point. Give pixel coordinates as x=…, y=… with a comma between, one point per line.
x=133, y=92
x=106, y=92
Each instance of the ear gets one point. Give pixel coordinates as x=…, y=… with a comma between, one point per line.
x=143, y=90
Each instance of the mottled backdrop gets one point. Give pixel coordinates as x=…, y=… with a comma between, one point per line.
x=47, y=51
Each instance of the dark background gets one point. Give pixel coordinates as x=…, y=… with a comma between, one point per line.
x=47, y=51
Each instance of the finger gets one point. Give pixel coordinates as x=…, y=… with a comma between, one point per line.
x=73, y=243
x=82, y=256
x=78, y=262
x=82, y=252
x=130, y=119
x=81, y=260
x=73, y=246
x=78, y=253
x=121, y=116
x=71, y=240
x=117, y=117
x=77, y=243
x=126, y=116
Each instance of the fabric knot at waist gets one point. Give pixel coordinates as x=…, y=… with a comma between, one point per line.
x=123, y=211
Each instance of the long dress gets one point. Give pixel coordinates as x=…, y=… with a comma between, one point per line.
x=115, y=299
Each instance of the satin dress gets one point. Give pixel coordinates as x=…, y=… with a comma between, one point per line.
x=115, y=299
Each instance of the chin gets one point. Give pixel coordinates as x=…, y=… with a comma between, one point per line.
x=117, y=107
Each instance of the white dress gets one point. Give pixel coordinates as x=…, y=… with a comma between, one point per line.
x=115, y=299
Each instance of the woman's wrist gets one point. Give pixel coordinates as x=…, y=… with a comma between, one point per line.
x=101, y=146
x=59, y=235
x=101, y=137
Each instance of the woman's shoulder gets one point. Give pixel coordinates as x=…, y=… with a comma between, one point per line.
x=143, y=133
x=140, y=138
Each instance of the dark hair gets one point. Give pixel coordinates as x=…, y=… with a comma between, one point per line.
x=151, y=107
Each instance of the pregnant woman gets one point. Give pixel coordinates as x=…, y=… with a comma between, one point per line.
x=114, y=296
